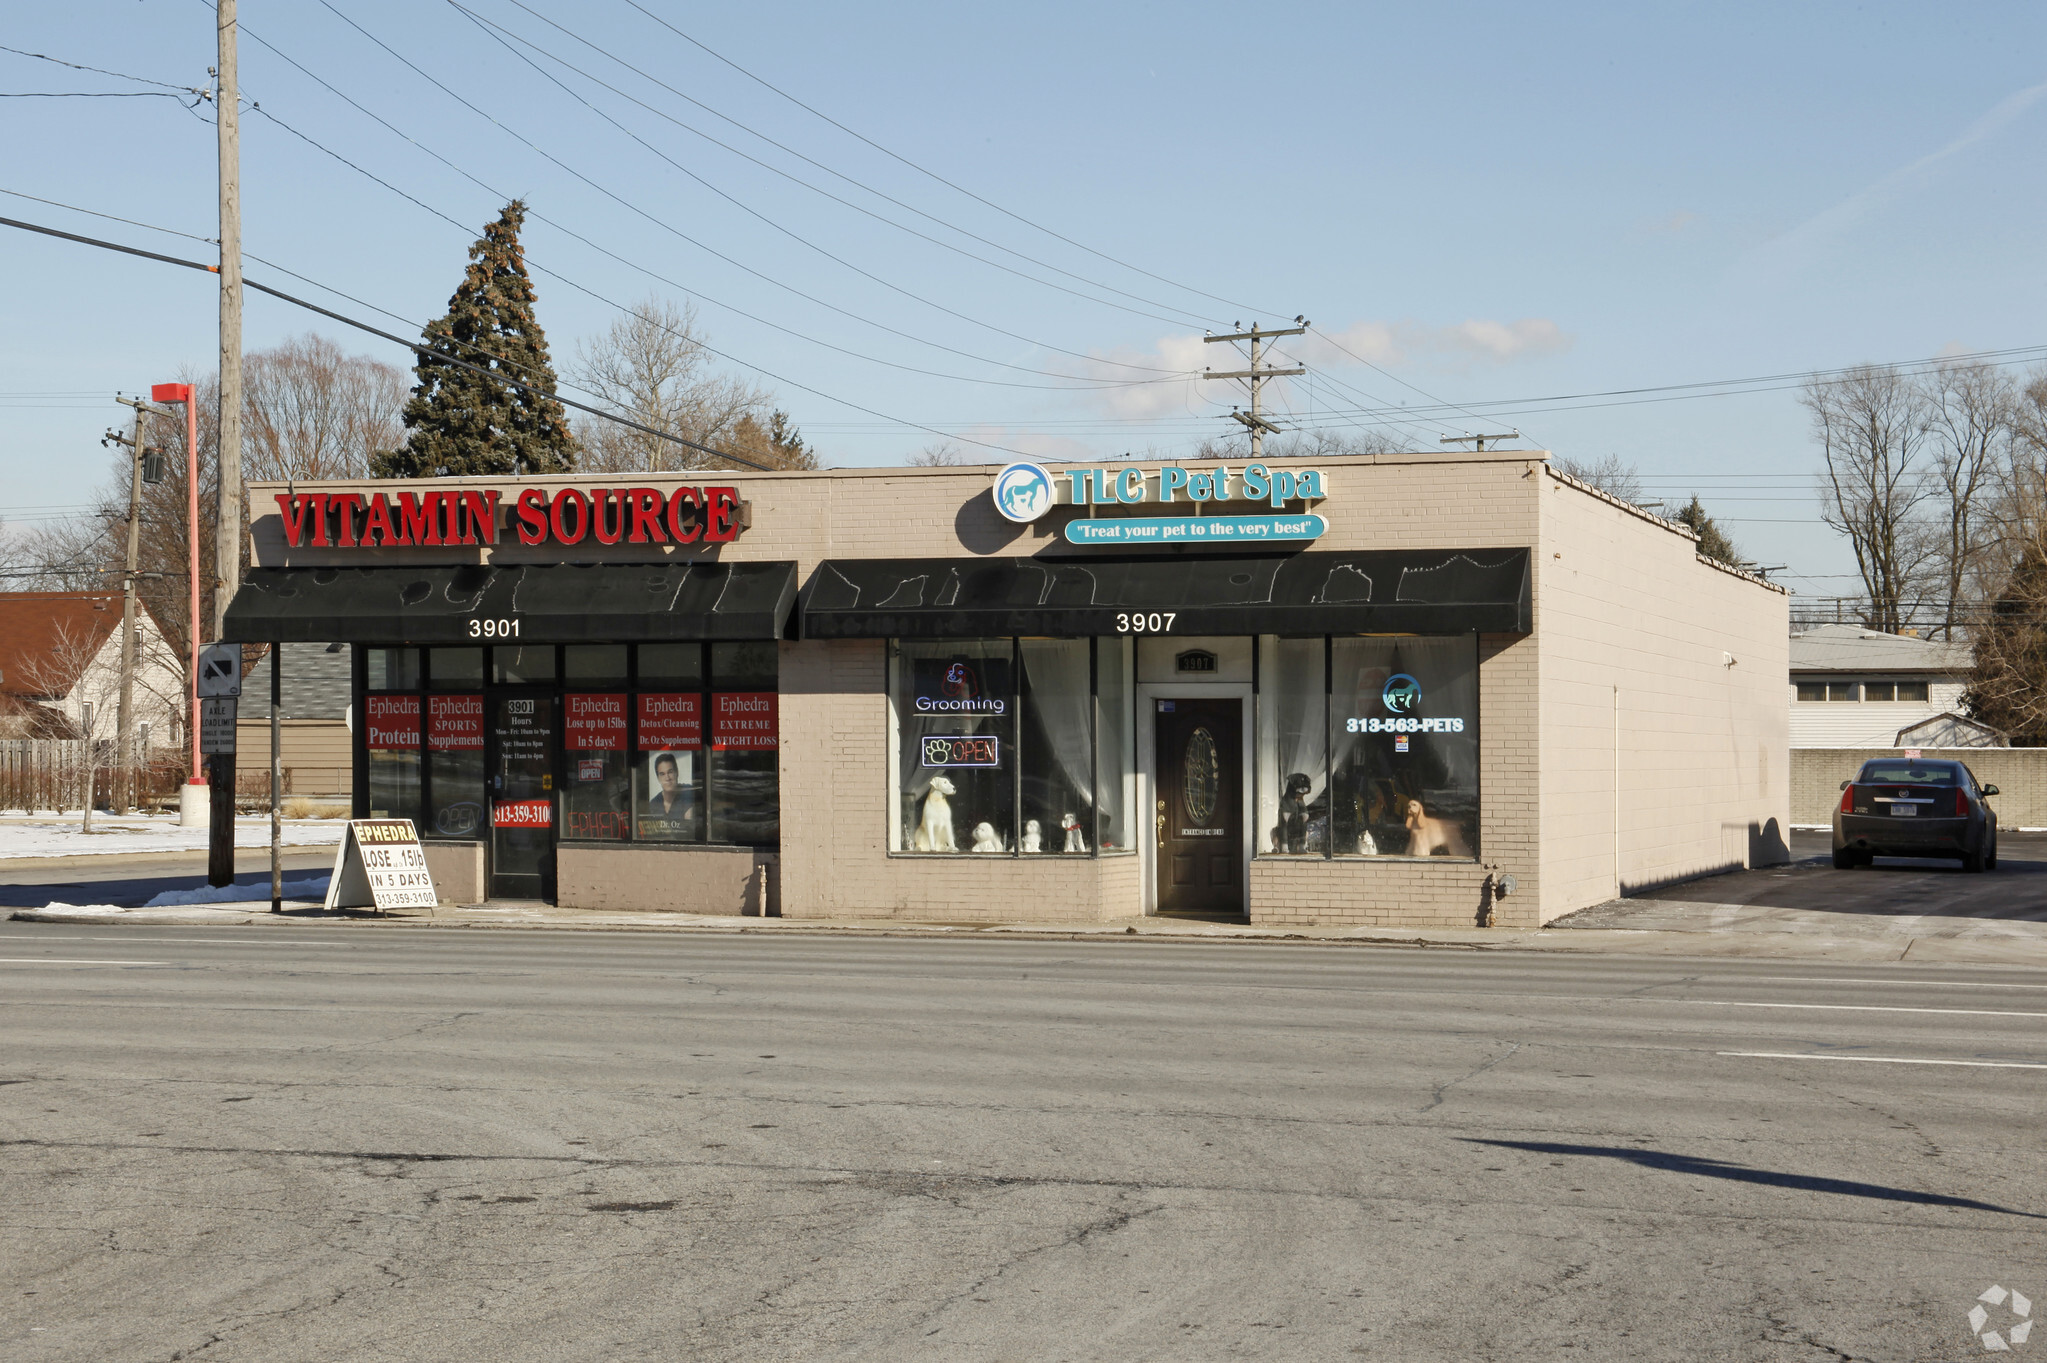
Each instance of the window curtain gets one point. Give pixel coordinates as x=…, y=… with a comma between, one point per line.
x=1056, y=675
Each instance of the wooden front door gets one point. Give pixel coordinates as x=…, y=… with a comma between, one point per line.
x=1199, y=814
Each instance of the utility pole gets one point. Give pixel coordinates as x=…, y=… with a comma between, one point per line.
x=1253, y=420
x=227, y=535
x=124, y=720
x=1478, y=440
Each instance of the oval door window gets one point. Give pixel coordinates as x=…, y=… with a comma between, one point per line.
x=1200, y=774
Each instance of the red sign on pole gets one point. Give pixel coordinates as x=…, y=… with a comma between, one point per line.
x=454, y=723
x=593, y=723
x=391, y=721
x=744, y=720
x=671, y=722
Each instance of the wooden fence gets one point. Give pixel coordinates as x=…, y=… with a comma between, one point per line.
x=51, y=773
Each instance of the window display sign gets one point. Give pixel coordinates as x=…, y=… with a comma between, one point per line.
x=391, y=721
x=962, y=750
x=454, y=723
x=593, y=723
x=744, y=720
x=671, y=721
x=522, y=814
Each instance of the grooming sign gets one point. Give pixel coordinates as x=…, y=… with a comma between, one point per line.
x=1025, y=492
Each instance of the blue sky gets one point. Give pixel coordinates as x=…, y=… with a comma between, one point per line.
x=1489, y=201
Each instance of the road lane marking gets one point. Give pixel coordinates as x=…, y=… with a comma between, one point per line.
x=1924, y=984
x=63, y=960
x=1885, y=1060
x=1867, y=1008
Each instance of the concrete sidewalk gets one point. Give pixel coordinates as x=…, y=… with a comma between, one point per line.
x=1979, y=943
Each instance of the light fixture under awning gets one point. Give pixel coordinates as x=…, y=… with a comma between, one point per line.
x=1454, y=591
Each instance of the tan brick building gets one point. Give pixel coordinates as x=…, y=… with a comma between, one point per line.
x=1406, y=690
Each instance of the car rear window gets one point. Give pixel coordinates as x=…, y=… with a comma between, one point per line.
x=1908, y=773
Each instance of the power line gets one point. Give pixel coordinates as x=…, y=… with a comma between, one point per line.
x=858, y=184
x=961, y=189
x=1071, y=383
x=488, y=25
x=98, y=70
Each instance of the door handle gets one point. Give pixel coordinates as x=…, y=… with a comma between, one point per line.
x=1162, y=823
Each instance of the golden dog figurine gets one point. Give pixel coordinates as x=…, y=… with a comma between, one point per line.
x=1430, y=833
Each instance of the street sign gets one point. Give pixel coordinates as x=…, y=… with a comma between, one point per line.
x=217, y=725
x=220, y=670
x=381, y=863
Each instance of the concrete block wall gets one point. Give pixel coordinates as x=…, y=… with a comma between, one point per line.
x=2020, y=775
x=1664, y=730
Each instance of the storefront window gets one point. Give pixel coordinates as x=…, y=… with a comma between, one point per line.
x=1058, y=768
x=1293, y=771
x=1403, y=734
x=668, y=766
x=1116, y=821
x=745, y=756
x=955, y=710
x=393, y=669
x=454, y=754
x=391, y=737
x=531, y=663
x=455, y=668
x=598, y=788
x=594, y=665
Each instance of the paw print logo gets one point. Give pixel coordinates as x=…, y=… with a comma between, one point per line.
x=2016, y=1328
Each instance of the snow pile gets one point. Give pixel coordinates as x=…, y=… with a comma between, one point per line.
x=312, y=887
x=48, y=838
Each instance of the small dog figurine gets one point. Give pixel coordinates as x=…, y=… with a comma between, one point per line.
x=1074, y=841
x=1034, y=836
x=1429, y=835
x=985, y=839
x=1293, y=814
x=934, y=829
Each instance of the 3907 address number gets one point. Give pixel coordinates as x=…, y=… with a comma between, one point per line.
x=1137, y=622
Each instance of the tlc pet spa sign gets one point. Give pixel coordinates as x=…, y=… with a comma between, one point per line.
x=1024, y=492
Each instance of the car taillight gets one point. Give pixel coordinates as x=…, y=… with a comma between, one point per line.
x=1848, y=800
x=1961, y=803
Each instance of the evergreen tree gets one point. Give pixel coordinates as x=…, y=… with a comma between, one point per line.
x=1713, y=543
x=460, y=422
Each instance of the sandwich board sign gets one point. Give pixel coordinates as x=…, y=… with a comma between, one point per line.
x=220, y=670
x=381, y=864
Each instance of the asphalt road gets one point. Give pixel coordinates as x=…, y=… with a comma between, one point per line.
x=330, y=1144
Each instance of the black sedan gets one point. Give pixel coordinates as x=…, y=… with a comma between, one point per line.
x=1915, y=807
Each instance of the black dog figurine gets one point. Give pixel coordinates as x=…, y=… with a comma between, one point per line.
x=1293, y=812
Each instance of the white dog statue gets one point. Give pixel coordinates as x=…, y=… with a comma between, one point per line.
x=934, y=829
x=1074, y=841
x=1034, y=836
x=985, y=839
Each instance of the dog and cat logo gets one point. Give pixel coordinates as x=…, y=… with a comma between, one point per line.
x=1023, y=492
x=958, y=682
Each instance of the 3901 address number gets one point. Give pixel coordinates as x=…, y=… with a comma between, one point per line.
x=493, y=629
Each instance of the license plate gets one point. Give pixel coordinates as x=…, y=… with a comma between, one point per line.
x=1904, y=811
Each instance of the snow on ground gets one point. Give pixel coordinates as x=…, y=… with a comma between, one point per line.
x=312, y=887
x=51, y=835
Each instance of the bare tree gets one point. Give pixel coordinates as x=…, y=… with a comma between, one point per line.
x=1612, y=475
x=1871, y=424
x=1970, y=412
x=310, y=410
x=937, y=455
x=651, y=367
x=70, y=675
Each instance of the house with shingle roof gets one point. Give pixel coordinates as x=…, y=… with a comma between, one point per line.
x=60, y=669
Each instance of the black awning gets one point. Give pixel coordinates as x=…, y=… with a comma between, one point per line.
x=551, y=603
x=1380, y=592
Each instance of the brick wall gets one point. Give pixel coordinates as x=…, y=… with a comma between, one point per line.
x=2020, y=775
x=1664, y=726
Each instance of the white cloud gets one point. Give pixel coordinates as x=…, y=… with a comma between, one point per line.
x=1388, y=343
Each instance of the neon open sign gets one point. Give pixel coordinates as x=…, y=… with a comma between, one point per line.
x=965, y=750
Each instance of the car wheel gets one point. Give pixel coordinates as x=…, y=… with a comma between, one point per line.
x=1845, y=860
x=1972, y=862
x=1990, y=861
